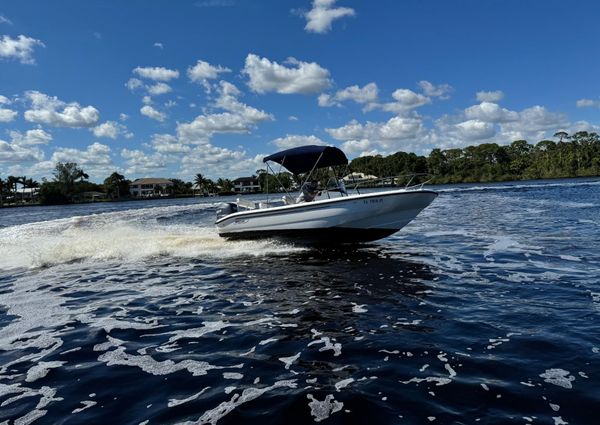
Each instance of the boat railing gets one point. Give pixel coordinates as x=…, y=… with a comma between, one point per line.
x=393, y=181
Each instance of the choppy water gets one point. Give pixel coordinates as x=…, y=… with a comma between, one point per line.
x=485, y=309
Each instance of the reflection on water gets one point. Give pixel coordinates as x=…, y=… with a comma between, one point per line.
x=482, y=310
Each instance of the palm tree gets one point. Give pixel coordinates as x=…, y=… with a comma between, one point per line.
x=11, y=183
x=200, y=181
x=2, y=186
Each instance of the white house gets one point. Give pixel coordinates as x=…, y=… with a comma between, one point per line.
x=246, y=185
x=148, y=187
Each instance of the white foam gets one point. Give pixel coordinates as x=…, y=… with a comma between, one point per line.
x=343, y=383
x=321, y=410
x=128, y=236
x=288, y=361
x=214, y=415
x=86, y=405
x=359, y=308
x=119, y=357
x=232, y=375
x=438, y=380
x=41, y=369
x=336, y=347
x=559, y=377
x=176, y=402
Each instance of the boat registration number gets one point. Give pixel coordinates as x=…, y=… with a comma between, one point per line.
x=373, y=201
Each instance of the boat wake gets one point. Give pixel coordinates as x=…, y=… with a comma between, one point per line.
x=130, y=235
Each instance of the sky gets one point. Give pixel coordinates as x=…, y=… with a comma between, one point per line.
x=174, y=88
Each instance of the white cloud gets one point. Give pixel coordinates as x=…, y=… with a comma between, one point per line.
x=442, y=90
x=366, y=94
x=157, y=73
x=138, y=162
x=52, y=111
x=204, y=71
x=490, y=112
x=473, y=130
x=123, y=117
x=358, y=147
x=159, y=45
x=405, y=100
x=293, y=118
x=167, y=143
x=110, y=129
x=5, y=20
x=95, y=155
x=238, y=118
x=294, y=140
x=31, y=137
x=218, y=162
x=490, y=96
x=4, y=100
x=301, y=77
x=588, y=103
x=395, y=129
x=20, y=48
x=7, y=115
x=152, y=113
x=320, y=17
x=133, y=84
x=13, y=153
x=158, y=89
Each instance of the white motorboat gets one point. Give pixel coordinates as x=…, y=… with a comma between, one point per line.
x=328, y=215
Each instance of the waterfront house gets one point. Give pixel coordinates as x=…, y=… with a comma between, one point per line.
x=246, y=185
x=149, y=187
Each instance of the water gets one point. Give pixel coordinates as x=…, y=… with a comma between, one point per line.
x=485, y=309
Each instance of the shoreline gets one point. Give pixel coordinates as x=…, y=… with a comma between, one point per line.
x=221, y=196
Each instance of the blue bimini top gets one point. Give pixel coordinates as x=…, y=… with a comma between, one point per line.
x=302, y=159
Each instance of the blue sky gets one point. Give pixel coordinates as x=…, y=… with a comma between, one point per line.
x=175, y=88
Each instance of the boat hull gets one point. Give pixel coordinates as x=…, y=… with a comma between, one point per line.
x=356, y=218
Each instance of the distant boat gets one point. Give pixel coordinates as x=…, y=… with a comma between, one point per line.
x=329, y=214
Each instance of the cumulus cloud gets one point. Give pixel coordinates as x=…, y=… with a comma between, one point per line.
x=152, y=113
x=139, y=162
x=238, y=118
x=294, y=140
x=365, y=94
x=473, y=130
x=322, y=14
x=95, y=155
x=20, y=48
x=395, y=129
x=156, y=73
x=110, y=130
x=13, y=153
x=405, y=101
x=442, y=90
x=158, y=45
x=219, y=162
x=134, y=83
x=490, y=112
x=204, y=71
x=490, y=96
x=158, y=89
x=52, y=111
x=169, y=144
x=31, y=137
x=7, y=115
x=269, y=76
x=588, y=103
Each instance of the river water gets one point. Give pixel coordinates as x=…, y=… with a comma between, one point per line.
x=485, y=309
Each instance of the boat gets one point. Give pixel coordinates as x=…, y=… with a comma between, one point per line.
x=322, y=212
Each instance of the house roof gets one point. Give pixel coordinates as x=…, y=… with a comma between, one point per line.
x=246, y=180
x=152, y=180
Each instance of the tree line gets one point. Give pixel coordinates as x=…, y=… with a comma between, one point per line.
x=576, y=155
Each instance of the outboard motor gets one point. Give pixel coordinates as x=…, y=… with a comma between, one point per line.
x=226, y=208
